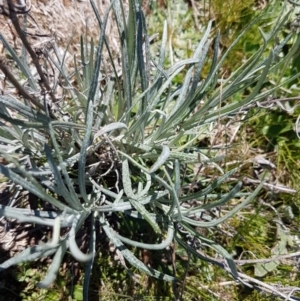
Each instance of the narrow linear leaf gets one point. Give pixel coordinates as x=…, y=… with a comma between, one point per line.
x=54, y=267
x=135, y=262
x=134, y=199
x=90, y=263
x=161, y=159
x=167, y=241
x=33, y=186
x=75, y=251
x=229, y=214
x=109, y=128
x=29, y=254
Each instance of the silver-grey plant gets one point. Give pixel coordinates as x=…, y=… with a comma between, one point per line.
x=136, y=125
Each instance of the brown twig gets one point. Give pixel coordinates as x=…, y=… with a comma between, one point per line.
x=253, y=261
x=270, y=102
x=17, y=85
x=281, y=188
x=14, y=19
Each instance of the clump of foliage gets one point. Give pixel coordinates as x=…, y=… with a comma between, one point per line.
x=185, y=19
x=96, y=147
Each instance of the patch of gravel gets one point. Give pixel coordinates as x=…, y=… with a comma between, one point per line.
x=61, y=21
